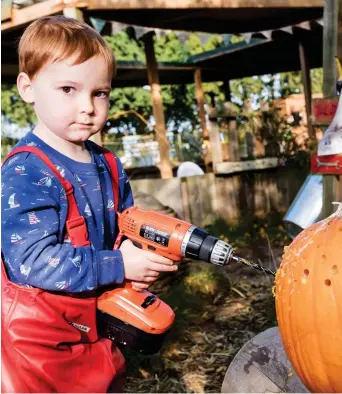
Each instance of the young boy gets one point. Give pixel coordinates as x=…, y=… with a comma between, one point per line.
x=49, y=337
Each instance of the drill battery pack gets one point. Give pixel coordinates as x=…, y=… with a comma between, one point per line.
x=138, y=320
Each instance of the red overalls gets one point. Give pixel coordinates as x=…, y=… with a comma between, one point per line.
x=49, y=341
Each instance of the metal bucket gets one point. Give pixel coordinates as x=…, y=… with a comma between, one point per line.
x=306, y=209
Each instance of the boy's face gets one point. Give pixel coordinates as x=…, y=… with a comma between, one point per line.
x=72, y=101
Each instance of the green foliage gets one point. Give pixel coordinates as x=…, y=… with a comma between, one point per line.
x=316, y=80
x=126, y=48
x=14, y=108
x=179, y=101
x=169, y=49
x=290, y=83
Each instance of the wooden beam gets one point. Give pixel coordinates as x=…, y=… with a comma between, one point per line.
x=331, y=183
x=23, y=16
x=304, y=65
x=200, y=102
x=157, y=104
x=73, y=12
x=200, y=4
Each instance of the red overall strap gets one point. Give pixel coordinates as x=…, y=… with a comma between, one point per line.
x=111, y=160
x=113, y=166
x=75, y=223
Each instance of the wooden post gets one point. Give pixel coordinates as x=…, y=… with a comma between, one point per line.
x=157, y=104
x=332, y=19
x=200, y=102
x=227, y=91
x=215, y=142
x=206, y=149
x=304, y=65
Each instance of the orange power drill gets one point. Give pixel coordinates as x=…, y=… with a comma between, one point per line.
x=140, y=320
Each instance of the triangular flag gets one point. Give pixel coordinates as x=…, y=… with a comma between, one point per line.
x=304, y=25
x=98, y=24
x=226, y=39
x=117, y=27
x=141, y=31
x=247, y=37
x=267, y=33
x=320, y=21
x=287, y=29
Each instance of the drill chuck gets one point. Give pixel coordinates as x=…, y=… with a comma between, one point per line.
x=222, y=253
x=198, y=244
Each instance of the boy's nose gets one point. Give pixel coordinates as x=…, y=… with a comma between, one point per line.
x=86, y=105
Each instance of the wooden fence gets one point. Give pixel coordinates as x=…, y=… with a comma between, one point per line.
x=233, y=198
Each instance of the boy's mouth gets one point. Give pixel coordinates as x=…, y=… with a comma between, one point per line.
x=84, y=125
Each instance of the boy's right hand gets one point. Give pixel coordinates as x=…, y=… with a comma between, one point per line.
x=143, y=266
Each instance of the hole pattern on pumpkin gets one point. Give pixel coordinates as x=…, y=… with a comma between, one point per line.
x=306, y=272
x=327, y=282
x=334, y=269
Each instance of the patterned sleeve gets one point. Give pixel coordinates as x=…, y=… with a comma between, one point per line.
x=32, y=214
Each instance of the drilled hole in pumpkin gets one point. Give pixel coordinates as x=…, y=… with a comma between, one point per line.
x=306, y=272
x=324, y=257
x=327, y=282
x=334, y=269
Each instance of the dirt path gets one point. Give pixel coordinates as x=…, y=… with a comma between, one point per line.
x=211, y=326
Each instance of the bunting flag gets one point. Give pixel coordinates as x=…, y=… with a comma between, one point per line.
x=142, y=31
x=117, y=27
x=287, y=29
x=267, y=33
x=98, y=24
x=247, y=37
x=183, y=36
x=304, y=25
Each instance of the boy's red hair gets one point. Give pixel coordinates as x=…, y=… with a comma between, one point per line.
x=55, y=38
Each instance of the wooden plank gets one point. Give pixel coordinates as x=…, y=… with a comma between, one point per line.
x=233, y=141
x=200, y=4
x=332, y=18
x=248, y=165
x=23, y=16
x=73, y=12
x=304, y=65
x=158, y=110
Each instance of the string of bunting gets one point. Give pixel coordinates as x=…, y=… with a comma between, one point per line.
x=140, y=31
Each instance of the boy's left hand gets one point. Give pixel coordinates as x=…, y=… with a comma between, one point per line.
x=142, y=285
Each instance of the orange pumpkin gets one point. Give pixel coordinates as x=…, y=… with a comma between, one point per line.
x=309, y=304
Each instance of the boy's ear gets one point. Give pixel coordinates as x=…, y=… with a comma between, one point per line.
x=25, y=88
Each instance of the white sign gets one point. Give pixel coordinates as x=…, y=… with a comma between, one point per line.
x=331, y=143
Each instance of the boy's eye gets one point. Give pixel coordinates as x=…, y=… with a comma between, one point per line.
x=67, y=89
x=101, y=94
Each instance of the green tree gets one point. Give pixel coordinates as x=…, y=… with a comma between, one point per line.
x=14, y=108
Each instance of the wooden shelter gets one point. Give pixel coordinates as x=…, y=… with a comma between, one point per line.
x=228, y=16
x=215, y=16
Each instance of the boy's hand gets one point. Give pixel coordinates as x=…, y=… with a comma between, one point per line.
x=141, y=266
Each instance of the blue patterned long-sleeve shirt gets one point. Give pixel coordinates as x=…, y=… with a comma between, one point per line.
x=36, y=249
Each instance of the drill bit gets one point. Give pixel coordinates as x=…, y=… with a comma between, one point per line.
x=253, y=265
